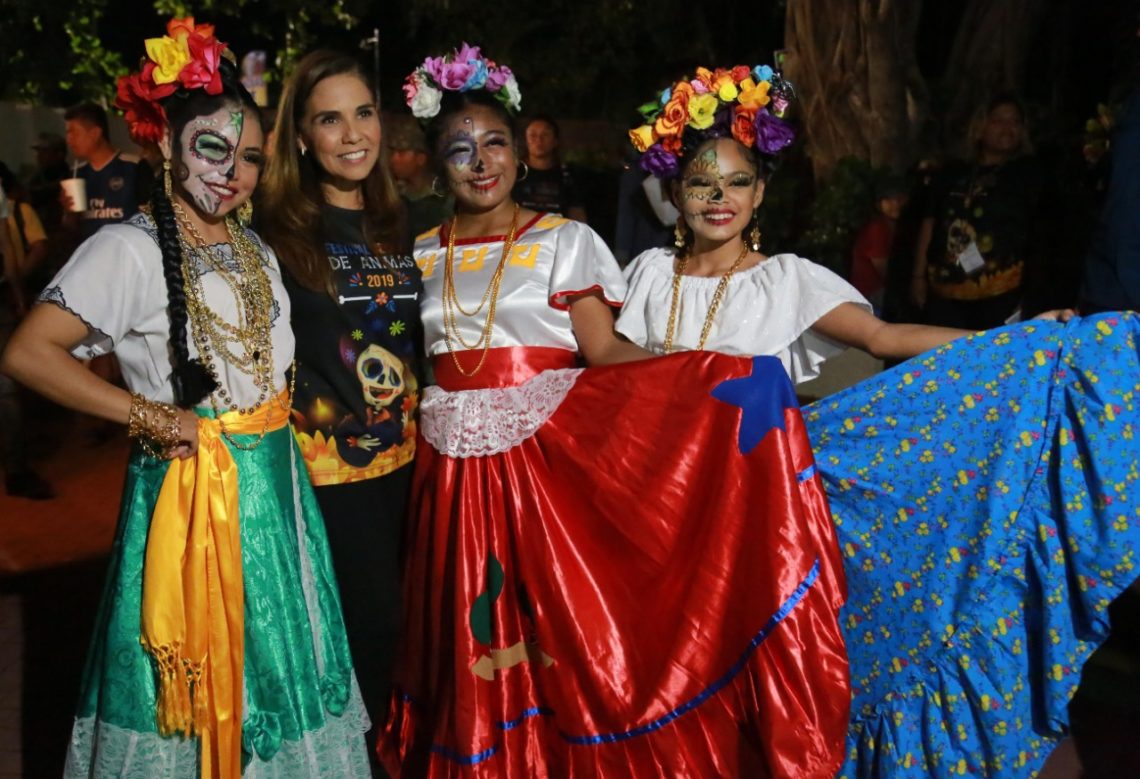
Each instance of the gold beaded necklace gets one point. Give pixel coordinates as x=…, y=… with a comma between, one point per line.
x=490, y=295
x=213, y=335
x=718, y=296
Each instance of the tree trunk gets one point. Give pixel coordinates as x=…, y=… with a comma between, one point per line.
x=853, y=65
x=988, y=57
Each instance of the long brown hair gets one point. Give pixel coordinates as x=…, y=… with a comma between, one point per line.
x=289, y=208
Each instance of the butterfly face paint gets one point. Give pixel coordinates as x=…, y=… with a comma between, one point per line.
x=208, y=152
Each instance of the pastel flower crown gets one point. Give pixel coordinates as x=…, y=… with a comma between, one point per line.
x=462, y=70
x=746, y=104
x=188, y=57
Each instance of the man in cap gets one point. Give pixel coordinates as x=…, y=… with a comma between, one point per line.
x=408, y=163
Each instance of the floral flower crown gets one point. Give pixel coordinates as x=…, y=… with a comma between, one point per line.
x=463, y=70
x=746, y=104
x=188, y=56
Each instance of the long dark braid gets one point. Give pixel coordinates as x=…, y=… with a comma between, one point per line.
x=190, y=379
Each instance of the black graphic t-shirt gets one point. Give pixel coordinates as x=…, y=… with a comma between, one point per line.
x=113, y=192
x=551, y=191
x=989, y=210
x=358, y=357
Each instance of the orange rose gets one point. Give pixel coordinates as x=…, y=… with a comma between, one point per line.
x=181, y=28
x=683, y=88
x=671, y=120
x=743, y=127
x=705, y=76
x=672, y=144
x=740, y=72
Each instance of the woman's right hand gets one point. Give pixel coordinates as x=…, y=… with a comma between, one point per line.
x=188, y=435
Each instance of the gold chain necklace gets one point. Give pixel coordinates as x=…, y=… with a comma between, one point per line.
x=490, y=295
x=718, y=296
x=213, y=335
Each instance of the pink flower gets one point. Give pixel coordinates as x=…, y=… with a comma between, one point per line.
x=699, y=86
x=411, y=86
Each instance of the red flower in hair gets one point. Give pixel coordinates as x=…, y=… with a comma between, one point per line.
x=741, y=72
x=138, y=100
x=203, y=68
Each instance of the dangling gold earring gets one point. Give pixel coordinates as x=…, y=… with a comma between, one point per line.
x=437, y=188
x=525, y=170
x=754, y=233
x=245, y=214
x=679, y=233
x=167, y=182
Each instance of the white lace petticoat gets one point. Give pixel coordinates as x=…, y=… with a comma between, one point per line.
x=481, y=422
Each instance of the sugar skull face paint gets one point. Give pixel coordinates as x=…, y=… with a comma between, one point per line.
x=209, y=152
x=478, y=158
x=718, y=191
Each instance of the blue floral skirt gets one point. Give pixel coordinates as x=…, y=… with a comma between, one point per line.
x=987, y=503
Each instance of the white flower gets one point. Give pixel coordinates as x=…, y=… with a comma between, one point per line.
x=514, y=97
x=425, y=103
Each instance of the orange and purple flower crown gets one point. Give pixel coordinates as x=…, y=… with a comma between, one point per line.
x=461, y=70
x=188, y=56
x=748, y=104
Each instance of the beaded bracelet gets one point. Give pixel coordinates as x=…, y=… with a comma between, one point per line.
x=154, y=424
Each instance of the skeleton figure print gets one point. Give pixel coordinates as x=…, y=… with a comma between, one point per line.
x=355, y=409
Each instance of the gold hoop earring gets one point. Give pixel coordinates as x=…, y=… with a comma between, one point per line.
x=435, y=188
x=754, y=233
x=167, y=180
x=525, y=171
x=245, y=214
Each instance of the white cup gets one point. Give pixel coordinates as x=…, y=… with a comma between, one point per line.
x=76, y=189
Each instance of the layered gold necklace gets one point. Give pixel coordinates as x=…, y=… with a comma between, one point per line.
x=490, y=298
x=718, y=296
x=246, y=346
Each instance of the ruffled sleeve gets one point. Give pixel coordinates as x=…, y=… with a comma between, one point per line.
x=644, y=290
x=818, y=292
x=583, y=263
x=110, y=285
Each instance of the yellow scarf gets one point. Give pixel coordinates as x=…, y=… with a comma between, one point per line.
x=193, y=600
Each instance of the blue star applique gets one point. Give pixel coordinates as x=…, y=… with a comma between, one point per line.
x=762, y=398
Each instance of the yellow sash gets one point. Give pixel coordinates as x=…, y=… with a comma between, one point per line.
x=193, y=600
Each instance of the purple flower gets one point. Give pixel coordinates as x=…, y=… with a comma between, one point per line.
x=772, y=134
x=498, y=77
x=659, y=162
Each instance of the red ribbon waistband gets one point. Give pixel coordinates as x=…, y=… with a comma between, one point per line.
x=506, y=366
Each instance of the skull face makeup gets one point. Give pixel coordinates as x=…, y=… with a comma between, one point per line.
x=718, y=191
x=208, y=151
x=478, y=158
x=381, y=376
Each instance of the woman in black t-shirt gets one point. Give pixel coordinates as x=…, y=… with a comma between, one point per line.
x=975, y=240
x=332, y=214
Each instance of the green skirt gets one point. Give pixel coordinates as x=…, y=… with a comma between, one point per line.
x=303, y=716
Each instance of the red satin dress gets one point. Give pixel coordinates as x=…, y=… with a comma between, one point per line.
x=625, y=571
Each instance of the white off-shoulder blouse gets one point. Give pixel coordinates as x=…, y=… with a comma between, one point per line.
x=767, y=309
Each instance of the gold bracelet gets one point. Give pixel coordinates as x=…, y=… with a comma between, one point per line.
x=155, y=425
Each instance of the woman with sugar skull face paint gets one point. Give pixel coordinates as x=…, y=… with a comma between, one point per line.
x=971, y=524
x=330, y=211
x=219, y=649
x=582, y=593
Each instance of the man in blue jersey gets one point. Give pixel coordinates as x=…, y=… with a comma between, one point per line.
x=116, y=182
